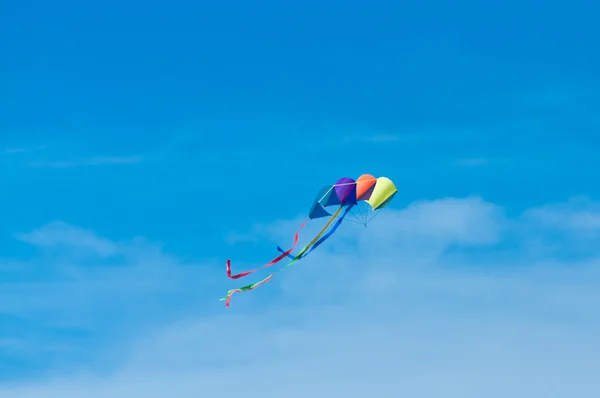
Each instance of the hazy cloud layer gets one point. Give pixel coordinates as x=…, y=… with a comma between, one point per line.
x=443, y=298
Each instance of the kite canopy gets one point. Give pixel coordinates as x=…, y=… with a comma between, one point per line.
x=364, y=186
x=376, y=192
x=384, y=190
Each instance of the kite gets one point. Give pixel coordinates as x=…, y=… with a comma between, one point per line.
x=366, y=196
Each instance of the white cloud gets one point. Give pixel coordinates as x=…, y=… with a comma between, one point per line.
x=82, y=279
x=579, y=214
x=464, y=221
x=389, y=311
x=57, y=233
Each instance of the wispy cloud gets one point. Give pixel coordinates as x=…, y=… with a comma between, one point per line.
x=23, y=150
x=374, y=138
x=11, y=151
x=482, y=161
x=93, y=161
x=31, y=157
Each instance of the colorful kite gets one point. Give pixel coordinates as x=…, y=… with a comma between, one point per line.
x=365, y=196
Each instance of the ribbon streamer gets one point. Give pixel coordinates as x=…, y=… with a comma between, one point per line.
x=272, y=262
x=298, y=257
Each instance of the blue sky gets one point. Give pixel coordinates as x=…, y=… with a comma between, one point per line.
x=142, y=144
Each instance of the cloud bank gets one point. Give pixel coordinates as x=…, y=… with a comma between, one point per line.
x=449, y=298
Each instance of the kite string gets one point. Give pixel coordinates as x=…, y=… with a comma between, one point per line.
x=344, y=184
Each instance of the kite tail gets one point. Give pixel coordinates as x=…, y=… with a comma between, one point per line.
x=268, y=278
x=272, y=262
x=323, y=239
x=315, y=239
x=246, y=288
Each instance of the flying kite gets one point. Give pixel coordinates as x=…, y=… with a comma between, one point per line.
x=366, y=196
